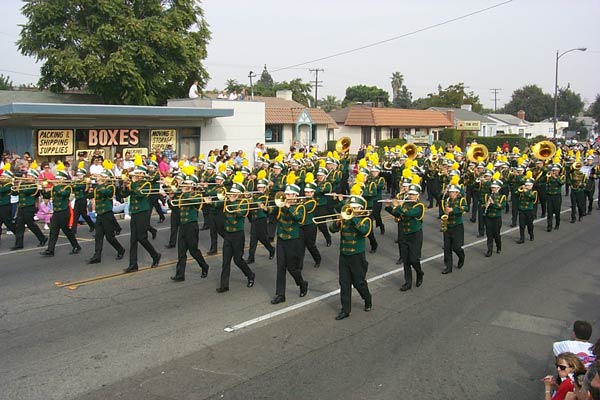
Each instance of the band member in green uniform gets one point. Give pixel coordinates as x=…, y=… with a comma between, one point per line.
x=454, y=231
x=577, y=183
x=380, y=187
x=138, y=191
x=526, y=198
x=591, y=172
x=309, y=229
x=276, y=184
x=62, y=213
x=189, y=204
x=6, y=178
x=353, y=265
x=483, y=191
x=154, y=178
x=235, y=210
x=103, y=195
x=215, y=211
x=495, y=202
x=28, y=189
x=290, y=244
x=81, y=189
x=175, y=218
x=516, y=181
x=322, y=188
x=554, y=183
x=410, y=212
x=258, y=229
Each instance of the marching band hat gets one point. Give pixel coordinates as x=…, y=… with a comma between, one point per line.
x=181, y=176
x=590, y=157
x=152, y=163
x=189, y=179
x=245, y=170
x=529, y=181
x=364, y=170
x=6, y=173
x=277, y=165
x=376, y=168
x=310, y=186
x=481, y=165
x=292, y=189
x=211, y=165
x=220, y=175
x=322, y=171
x=357, y=201
x=454, y=188
x=262, y=183
x=61, y=175
x=414, y=189
x=237, y=188
x=556, y=166
x=522, y=168
x=329, y=160
x=107, y=173
x=33, y=172
x=140, y=170
x=406, y=181
x=488, y=172
x=497, y=183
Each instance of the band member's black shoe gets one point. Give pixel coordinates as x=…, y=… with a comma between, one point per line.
x=513, y=225
x=117, y=232
x=43, y=242
x=154, y=233
x=473, y=220
x=498, y=251
x=317, y=264
x=204, y=228
x=399, y=261
x=250, y=281
x=47, y=253
x=16, y=248
x=93, y=261
x=556, y=227
x=131, y=268
x=161, y=220
x=92, y=228
x=382, y=229
x=156, y=261
x=303, y=289
x=543, y=216
x=446, y=271
x=531, y=237
x=222, y=289
x=328, y=244
x=341, y=316
x=368, y=306
x=278, y=299
x=178, y=278
x=461, y=263
x=211, y=253
x=75, y=250
x=204, y=272
x=489, y=253
x=549, y=229
x=374, y=249
x=250, y=260
x=271, y=254
x=419, y=280
x=120, y=255
x=479, y=235
x=572, y=220
x=405, y=287
x=520, y=241
x=170, y=246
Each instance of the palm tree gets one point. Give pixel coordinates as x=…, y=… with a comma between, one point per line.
x=330, y=103
x=397, y=80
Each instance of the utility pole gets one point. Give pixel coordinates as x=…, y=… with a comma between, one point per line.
x=251, y=75
x=495, y=91
x=317, y=82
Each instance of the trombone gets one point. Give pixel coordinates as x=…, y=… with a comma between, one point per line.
x=280, y=199
x=346, y=213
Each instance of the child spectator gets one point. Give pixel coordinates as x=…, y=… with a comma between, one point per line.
x=45, y=212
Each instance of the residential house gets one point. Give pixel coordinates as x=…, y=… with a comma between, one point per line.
x=467, y=120
x=507, y=124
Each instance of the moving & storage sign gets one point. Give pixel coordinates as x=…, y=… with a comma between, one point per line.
x=161, y=138
x=55, y=142
x=468, y=125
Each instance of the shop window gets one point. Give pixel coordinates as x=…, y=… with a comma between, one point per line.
x=274, y=133
x=395, y=133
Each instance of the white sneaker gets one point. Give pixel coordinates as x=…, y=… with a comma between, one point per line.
x=35, y=218
x=46, y=227
x=128, y=217
x=9, y=233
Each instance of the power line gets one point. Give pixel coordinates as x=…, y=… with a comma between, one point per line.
x=495, y=91
x=317, y=83
x=396, y=37
x=18, y=72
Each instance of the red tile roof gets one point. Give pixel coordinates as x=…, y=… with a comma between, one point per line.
x=368, y=116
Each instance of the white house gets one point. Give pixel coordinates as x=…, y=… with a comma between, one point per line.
x=468, y=120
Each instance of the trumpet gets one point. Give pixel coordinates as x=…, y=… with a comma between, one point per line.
x=346, y=214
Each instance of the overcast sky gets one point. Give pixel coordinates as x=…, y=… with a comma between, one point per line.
x=507, y=47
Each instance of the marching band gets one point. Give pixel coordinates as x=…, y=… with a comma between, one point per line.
x=293, y=200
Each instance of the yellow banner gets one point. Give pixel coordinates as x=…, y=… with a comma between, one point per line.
x=468, y=125
x=55, y=142
x=160, y=138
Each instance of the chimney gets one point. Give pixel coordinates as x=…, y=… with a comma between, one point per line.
x=450, y=116
x=284, y=94
x=521, y=115
x=467, y=107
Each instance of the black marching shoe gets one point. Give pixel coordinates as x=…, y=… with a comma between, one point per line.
x=488, y=253
x=169, y=246
x=520, y=241
x=328, y=244
x=368, y=306
x=382, y=229
x=117, y=232
x=513, y=225
x=131, y=268
x=405, y=287
x=178, y=278
x=556, y=227
x=154, y=233
x=278, y=299
x=204, y=228
x=303, y=289
x=75, y=250
x=16, y=248
x=161, y=220
x=204, y=272
x=271, y=254
x=446, y=271
x=531, y=238
x=419, y=280
x=211, y=253
x=374, y=249
x=120, y=255
x=461, y=263
x=250, y=281
x=543, y=215
x=47, y=253
x=156, y=260
x=317, y=264
x=93, y=261
x=480, y=235
x=222, y=289
x=342, y=315
x=572, y=220
x=250, y=260
x=498, y=250
x=92, y=228
x=473, y=220
x=549, y=229
x=43, y=242
x=399, y=261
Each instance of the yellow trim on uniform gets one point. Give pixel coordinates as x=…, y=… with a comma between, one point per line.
x=368, y=220
x=422, y=212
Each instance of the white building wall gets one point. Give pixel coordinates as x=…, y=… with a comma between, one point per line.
x=547, y=129
x=353, y=132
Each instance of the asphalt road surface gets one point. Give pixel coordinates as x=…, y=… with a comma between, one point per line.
x=74, y=331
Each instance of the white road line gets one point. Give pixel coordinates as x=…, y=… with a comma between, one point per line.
x=308, y=302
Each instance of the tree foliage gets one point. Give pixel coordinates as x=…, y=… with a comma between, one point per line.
x=266, y=86
x=594, y=109
x=330, y=103
x=531, y=99
x=124, y=51
x=363, y=94
x=5, y=82
x=569, y=104
x=453, y=96
x=401, y=97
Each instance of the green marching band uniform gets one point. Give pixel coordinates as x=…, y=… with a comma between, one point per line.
x=454, y=231
x=555, y=180
x=526, y=199
x=309, y=229
x=258, y=228
x=62, y=215
x=26, y=209
x=353, y=263
x=494, y=203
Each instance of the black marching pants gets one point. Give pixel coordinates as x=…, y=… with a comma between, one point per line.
x=233, y=247
x=542, y=196
x=554, y=203
x=153, y=198
x=139, y=234
x=25, y=218
x=6, y=218
x=61, y=220
x=377, y=214
x=589, y=194
x=492, y=230
x=258, y=233
x=310, y=243
x=216, y=224
x=526, y=220
x=454, y=239
x=577, y=201
x=371, y=237
x=319, y=211
x=411, y=245
x=352, y=272
x=289, y=254
x=105, y=227
x=175, y=221
x=80, y=210
x=188, y=241
x=514, y=201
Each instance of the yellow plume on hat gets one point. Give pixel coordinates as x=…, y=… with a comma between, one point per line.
x=375, y=158
x=291, y=178
x=211, y=159
x=81, y=165
x=180, y=164
x=108, y=165
x=244, y=162
x=360, y=178
x=137, y=160
x=408, y=163
x=433, y=149
x=455, y=166
x=336, y=155
x=153, y=157
x=362, y=163
x=578, y=156
x=262, y=174
x=356, y=189
x=457, y=149
x=449, y=156
x=329, y=154
x=238, y=177
x=498, y=149
x=266, y=156
x=201, y=156
x=279, y=157
x=454, y=180
x=222, y=167
x=189, y=170
x=322, y=163
x=309, y=178
x=406, y=173
x=515, y=150
x=6, y=166
x=496, y=176
x=297, y=156
x=490, y=166
x=529, y=175
x=33, y=165
x=415, y=179
x=385, y=148
x=60, y=166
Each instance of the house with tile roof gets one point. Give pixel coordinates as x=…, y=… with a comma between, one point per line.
x=368, y=125
x=468, y=120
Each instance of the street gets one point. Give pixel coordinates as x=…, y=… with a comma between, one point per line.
x=74, y=331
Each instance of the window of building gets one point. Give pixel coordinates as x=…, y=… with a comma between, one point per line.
x=521, y=131
x=330, y=134
x=313, y=134
x=395, y=133
x=274, y=133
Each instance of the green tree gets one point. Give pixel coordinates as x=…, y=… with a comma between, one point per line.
x=594, y=109
x=233, y=84
x=126, y=52
x=531, y=99
x=330, y=103
x=301, y=92
x=401, y=97
x=265, y=77
x=363, y=94
x=453, y=96
x=5, y=82
x=569, y=104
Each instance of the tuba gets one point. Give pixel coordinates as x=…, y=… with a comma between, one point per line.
x=410, y=150
x=342, y=145
x=544, y=150
x=477, y=152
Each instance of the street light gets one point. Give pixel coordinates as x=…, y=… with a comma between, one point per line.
x=558, y=56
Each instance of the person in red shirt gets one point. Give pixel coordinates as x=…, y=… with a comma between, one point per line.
x=567, y=364
x=163, y=167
